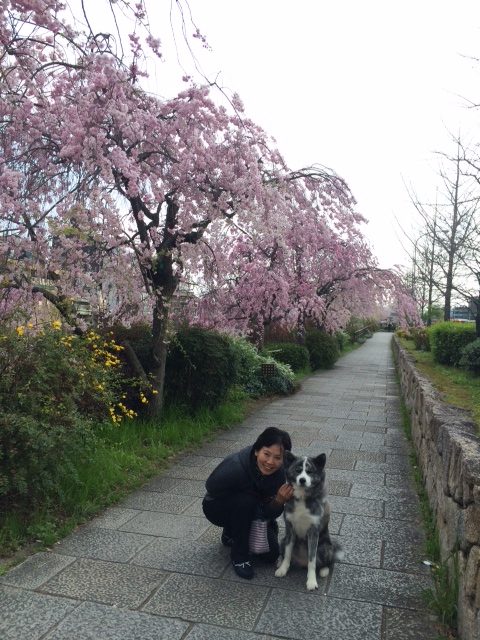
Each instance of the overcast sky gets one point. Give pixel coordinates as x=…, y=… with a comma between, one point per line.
x=370, y=89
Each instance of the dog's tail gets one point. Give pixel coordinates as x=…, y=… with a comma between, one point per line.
x=328, y=553
x=338, y=552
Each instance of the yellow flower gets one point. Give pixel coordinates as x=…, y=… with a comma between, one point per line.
x=155, y=392
x=57, y=325
x=30, y=325
x=20, y=330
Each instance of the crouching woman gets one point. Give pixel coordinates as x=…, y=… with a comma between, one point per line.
x=248, y=485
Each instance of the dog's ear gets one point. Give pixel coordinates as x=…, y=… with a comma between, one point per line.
x=320, y=461
x=288, y=458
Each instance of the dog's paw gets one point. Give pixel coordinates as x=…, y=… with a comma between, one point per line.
x=312, y=584
x=324, y=571
x=281, y=571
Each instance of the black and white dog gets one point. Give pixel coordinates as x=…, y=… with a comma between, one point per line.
x=307, y=541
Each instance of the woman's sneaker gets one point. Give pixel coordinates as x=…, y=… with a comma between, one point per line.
x=243, y=569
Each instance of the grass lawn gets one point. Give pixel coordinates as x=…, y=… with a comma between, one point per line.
x=459, y=388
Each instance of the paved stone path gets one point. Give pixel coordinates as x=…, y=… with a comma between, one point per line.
x=153, y=568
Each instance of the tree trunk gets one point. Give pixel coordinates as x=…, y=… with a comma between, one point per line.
x=477, y=317
x=301, y=329
x=430, y=270
x=136, y=367
x=159, y=350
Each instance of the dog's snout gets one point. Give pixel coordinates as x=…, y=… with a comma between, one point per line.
x=302, y=480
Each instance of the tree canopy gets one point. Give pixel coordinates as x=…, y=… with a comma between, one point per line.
x=113, y=197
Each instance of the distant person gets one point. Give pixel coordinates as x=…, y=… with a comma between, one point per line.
x=245, y=483
x=389, y=326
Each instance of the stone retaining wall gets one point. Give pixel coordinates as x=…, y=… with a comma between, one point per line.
x=448, y=451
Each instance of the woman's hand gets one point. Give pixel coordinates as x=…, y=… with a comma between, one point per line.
x=284, y=494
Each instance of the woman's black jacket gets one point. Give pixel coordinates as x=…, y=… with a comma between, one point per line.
x=239, y=472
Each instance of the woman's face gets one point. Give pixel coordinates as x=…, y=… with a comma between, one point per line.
x=269, y=459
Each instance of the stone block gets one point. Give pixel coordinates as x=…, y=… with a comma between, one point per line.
x=472, y=576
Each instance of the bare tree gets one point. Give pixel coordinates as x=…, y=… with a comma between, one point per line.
x=450, y=231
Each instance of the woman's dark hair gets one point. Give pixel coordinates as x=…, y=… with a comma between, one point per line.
x=271, y=436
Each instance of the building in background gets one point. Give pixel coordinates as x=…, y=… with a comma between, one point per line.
x=462, y=314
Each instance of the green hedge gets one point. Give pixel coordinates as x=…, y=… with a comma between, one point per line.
x=323, y=349
x=289, y=353
x=249, y=371
x=200, y=368
x=470, y=359
x=447, y=339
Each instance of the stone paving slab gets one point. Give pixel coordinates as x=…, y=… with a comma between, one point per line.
x=28, y=616
x=120, y=585
x=303, y=616
x=102, y=544
x=376, y=528
x=185, y=556
x=152, y=523
x=377, y=586
x=358, y=553
x=208, y=632
x=408, y=625
x=36, y=570
x=153, y=567
x=401, y=557
x=97, y=622
x=155, y=501
x=114, y=517
x=231, y=604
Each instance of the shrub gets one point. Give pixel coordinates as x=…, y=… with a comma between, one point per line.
x=200, y=368
x=246, y=360
x=447, y=339
x=421, y=338
x=354, y=325
x=139, y=336
x=323, y=349
x=281, y=383
x=35, y=455
x=404, y=333
x=249, y=371
x=53, y=387
x=343, y=339
x=292, y=354
x=470, y=357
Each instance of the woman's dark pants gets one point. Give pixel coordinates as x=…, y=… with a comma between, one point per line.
x=235, y=513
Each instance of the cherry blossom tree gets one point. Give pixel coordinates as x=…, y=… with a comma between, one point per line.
x=113, y=197
x=103, y=184
x=314, y=266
